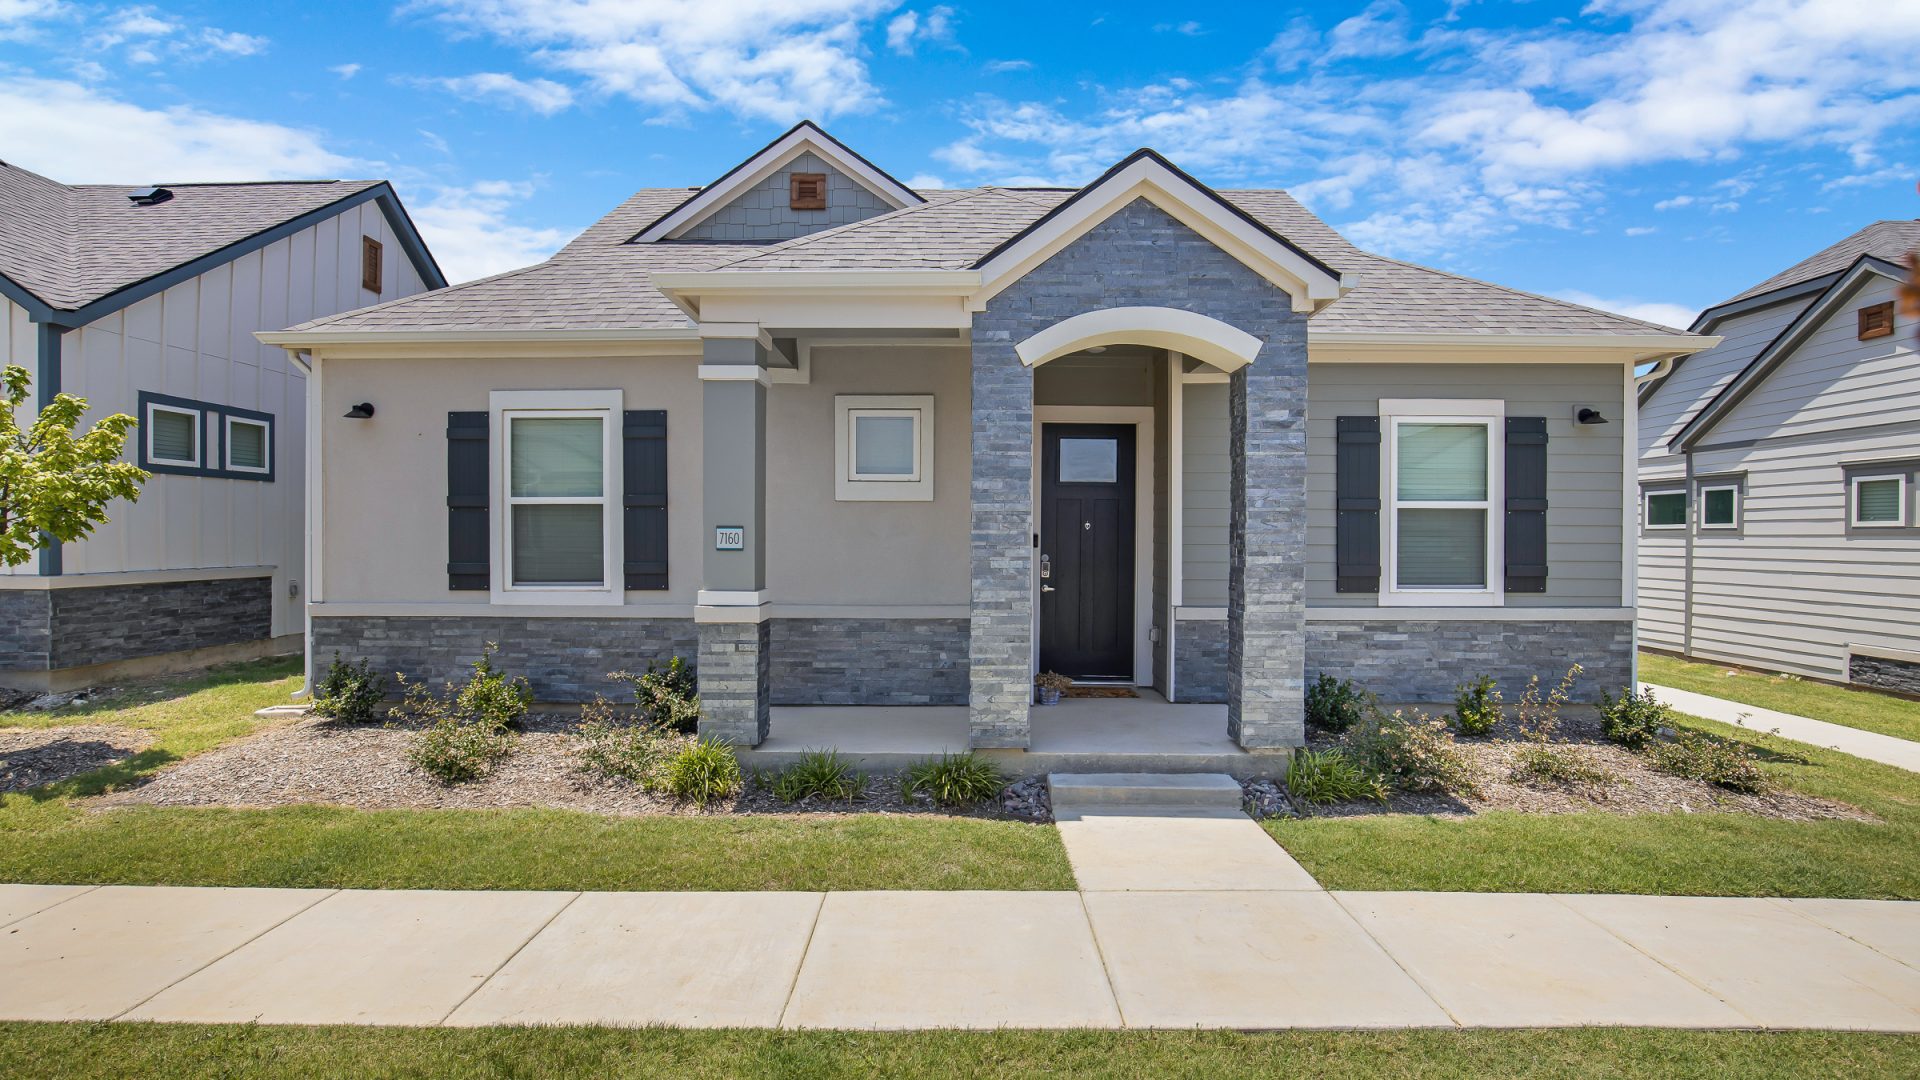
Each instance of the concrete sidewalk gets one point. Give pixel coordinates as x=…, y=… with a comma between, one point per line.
x=1871, y=745
x=1212, y=956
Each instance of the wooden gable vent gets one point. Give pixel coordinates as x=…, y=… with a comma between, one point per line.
x=370, y=264
x=1876, y=321
x=807, y=191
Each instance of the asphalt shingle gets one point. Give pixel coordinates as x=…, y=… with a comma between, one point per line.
x=1890, y=240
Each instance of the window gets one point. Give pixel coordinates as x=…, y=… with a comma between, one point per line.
x=1720, y=506
x=173, y=435
x=806, y=191
x=1089, y=461
x=1441, y=465
x=249, y=448
x=1666, y=510
x=883, y=448
x=370, y=264
x=1879, y=501
x=559, y=475
x=198, y=438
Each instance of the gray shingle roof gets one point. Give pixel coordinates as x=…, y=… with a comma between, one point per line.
x=599, y=281
x=70, y=245
x=1890, y=240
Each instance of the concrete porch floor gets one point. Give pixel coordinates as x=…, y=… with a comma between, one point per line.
x=1143, y=734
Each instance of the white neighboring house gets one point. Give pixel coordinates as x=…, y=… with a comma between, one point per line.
x=1779, y=527
x=144, y=300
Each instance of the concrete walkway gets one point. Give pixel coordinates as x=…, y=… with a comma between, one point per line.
x=1871, y=745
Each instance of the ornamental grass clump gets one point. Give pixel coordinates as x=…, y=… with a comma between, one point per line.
x=953, y=779
x=818, y=774
x=702, y=772
x=349, y=693
x=1336, y=704
x=1318, y=777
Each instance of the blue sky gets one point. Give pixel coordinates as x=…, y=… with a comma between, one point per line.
x=1654, y=156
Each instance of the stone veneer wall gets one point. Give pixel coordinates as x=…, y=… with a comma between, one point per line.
x=735, y=659
x=1882, y=673
x=57, y=629
x=1200, y=661
x=564, y=659
x=869, y=661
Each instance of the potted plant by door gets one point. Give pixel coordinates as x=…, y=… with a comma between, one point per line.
x=1050, y=684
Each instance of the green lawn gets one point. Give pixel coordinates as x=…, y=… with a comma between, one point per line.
x=52, y=835
x=1863, y=709
x=162, y=1051
x=1691, y=854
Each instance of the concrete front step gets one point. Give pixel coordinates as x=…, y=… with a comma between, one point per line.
x=1134, y=790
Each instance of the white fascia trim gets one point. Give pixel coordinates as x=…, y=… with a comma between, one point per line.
x=734, y=373
x=307, y=339
x=1221, y=344
x=769, y=161
x=1310, y=286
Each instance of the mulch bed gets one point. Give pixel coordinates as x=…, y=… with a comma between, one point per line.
x=30, y=757
x=1633, y=785
x=365, y=767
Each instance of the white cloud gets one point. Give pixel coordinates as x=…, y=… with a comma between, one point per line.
x=543, y=96
x=772, y=59
x=1381, y=29
x=1675, y=203
x=907, y=31
x=1678, y=316
x=232, y=42
x=149, y=36
x=926, y=181
x=1641, y=230
x=997, y=67
x=345, y=71
x=471, y=235
x=1190, y=28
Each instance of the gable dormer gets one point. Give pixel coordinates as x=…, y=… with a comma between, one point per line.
x=802, y=182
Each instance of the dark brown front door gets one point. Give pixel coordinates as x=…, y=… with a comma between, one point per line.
x=1086, y=550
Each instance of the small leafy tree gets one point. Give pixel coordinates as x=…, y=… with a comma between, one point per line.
x=52, y=482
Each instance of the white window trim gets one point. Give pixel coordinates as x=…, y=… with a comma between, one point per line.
x=1488, y=411
x=502, y=406
x=1700, y=501
x=199, y=434
x=1646, y=511
x=848, y=486
x=266, y=443
x=1853, y=501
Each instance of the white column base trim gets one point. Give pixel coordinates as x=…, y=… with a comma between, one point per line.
x=730, y=597
x=734, y=373
x=732, y=613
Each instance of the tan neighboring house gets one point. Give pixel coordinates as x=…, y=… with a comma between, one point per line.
x=145, y=300
x=846, y=443
x=1778, y=470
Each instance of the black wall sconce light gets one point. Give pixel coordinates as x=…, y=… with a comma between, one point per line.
x=1586, y=415
x=362, y=411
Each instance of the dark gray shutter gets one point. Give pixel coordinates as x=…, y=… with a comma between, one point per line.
x=1526, y=504
x=467, y=555
x=1356, y=534
x=645, y=466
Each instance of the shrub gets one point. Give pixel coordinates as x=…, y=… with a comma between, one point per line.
x=1414, y=753
x=1328, y=776
x=1695, y=755
x=703, y=771
x=953, y=780
x=489, y=695
x=1539, y=719
x=1633, y=719
x=350, y=693
x=614, y=746
x=667, y=697
x=1541, y=765
x=451, y=747
x=818, y=774
x=1336, y=704
x=1476, y=706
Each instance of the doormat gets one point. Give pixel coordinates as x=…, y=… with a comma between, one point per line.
x=1099, y=691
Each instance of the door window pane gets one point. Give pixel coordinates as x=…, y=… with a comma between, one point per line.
x=885, y=445
x=1442, y=462
x=558, y=544
x=1442, y=549
x=1666, y=509
x=1089, y=461
x=246, y=445
x=556, y=457
x=173, y=436
x=1877, y=502
x=1716, y=506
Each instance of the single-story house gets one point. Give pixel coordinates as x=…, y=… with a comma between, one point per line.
x=144, y=300
x=1778, y=475
x=844, y=442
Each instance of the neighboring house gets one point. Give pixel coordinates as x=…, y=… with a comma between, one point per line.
x=145, y=300
x=1777, y=472
x=844, y=442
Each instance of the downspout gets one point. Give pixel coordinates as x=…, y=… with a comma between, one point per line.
x=1686, y=591
x=47, y=387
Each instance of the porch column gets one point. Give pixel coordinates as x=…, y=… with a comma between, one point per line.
x=731, y=609
x=1000, y=652
x=1266, y=591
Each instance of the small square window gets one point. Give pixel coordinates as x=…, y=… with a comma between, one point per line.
x=370, y=264
x=885, y=445
x=883, y=448
x=1666, y=510
x=1089, y=461
x=173, y=435
x=249, y=445
x=806, y=191
x=1879, y=501
x=1720, y=507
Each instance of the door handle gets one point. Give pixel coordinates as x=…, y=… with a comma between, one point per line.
x=1046, y=588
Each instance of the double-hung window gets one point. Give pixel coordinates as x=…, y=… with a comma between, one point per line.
x=1442, y=465
x=559, y=474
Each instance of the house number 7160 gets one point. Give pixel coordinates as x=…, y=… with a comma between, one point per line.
x=729, y=538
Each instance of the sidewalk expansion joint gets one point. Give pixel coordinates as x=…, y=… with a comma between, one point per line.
x=501, y=966
x=325, y=895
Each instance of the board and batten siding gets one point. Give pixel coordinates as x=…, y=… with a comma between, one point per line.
x=1795, y=586
x=1205, y=476
x=195, y=340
